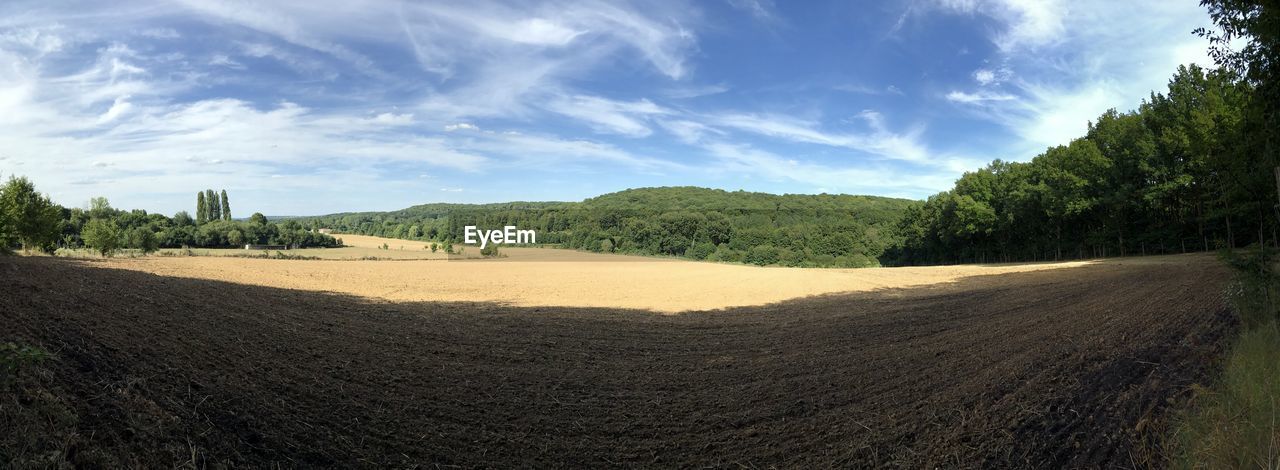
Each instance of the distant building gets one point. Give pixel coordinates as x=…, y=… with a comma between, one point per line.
x=267, y=247
x=324, y=231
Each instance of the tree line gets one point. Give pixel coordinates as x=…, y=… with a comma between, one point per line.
x=1194, y=168
x=1186, y=171
x=697, y=223
x=31, y=221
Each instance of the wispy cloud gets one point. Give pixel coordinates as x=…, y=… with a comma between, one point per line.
x=978, y=97
x=609, y=116
x=878, y=140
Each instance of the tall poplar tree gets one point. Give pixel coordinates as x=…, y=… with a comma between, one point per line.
x=202, y=209
x=215, y=207
x=226, y=207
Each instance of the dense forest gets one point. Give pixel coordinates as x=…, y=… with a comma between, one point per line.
x=1194, y=168
x=1178, y=174
x=30, y=220
x=698, y=223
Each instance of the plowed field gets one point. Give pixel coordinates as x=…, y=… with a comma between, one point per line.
x=1039, y=369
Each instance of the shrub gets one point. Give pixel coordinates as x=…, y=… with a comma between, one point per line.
x=102, y=235
x=761, y=255
x=701, y=250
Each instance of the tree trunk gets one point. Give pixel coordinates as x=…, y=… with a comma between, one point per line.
x=1058, y=256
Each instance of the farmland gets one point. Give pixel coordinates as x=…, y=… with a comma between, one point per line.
x=545, y=277
x=256, y=362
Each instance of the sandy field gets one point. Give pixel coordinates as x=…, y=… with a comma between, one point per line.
x=529, y=277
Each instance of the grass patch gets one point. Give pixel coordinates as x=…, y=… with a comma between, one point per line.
x=1236, y=424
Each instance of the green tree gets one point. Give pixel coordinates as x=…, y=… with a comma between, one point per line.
x=235, y=238
x=142, y=238
x=32, y=219
x=102, y=235
x=258, y=219
x=226, y=206
x=214, y=205
x=202, y=208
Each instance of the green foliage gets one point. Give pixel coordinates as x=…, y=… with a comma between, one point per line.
x=102, y=235
x=1236, y=423
x=489, y=251
x=434, y=247
x=202, y=208
x=183, y=219
x=27, y=217
x=1179, y=174
x=226, y=206
x=107, y=230
x=213, y=205
x=142, y=238
x=678, y=221
x=761, y=255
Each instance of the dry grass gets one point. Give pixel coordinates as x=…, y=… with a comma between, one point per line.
x=552, y=277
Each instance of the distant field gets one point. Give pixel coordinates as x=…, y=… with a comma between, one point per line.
x=553, y=277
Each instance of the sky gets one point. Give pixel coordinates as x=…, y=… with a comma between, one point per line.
x=322, y=106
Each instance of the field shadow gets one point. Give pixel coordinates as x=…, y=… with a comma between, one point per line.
x=1047, y=369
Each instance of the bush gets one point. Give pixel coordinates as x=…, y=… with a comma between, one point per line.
x=489, y=251
x=101, y=235
x=701, y=250
x=761, y=255
x=144, y=239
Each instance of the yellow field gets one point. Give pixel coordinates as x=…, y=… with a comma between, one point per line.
x=553, y=277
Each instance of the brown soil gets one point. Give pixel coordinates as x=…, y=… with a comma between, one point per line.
x=1045, y=369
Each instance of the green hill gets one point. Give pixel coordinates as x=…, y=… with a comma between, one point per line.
x=698, y=223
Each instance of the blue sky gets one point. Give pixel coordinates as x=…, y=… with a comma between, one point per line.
x=326, y=106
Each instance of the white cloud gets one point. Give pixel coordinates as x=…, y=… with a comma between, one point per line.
x=1075, y=60
x=867, y=179
x=689, y=132
x=393, y=119
x=609, y=116
x=461, y=126
x=879, y=141
x=1029, y=24
x=222, y=60
x=540, y=151
x=978, y=97
x=987, y=77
